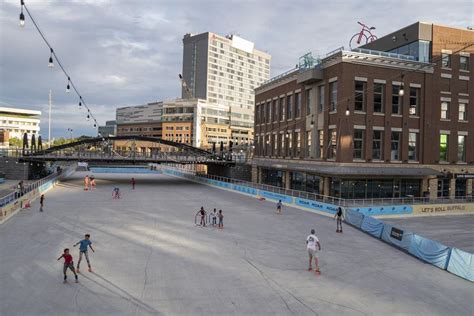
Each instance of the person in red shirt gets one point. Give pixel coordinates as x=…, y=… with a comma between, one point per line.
x=68, y=263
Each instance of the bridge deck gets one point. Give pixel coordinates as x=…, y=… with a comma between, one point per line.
x=151, y=259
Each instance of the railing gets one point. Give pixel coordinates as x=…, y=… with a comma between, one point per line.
x=332, y=199
x=383, y=54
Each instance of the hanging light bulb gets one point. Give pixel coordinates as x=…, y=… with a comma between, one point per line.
x=95, y=125
x=51, y=64
x=88, y=117
x=68, y=88
x=401, y=92
x=22, y=16
x=348, y=112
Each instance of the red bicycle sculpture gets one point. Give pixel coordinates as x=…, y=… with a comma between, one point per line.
x=365, y=34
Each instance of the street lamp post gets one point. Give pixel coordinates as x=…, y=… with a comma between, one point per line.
x=70, y=130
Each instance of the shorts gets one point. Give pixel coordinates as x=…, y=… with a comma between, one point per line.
x=312, y=252
x=68, y=266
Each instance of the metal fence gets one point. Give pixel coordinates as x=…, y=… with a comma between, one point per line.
x=331, y=199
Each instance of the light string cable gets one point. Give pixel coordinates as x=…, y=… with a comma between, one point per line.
x=53, y=53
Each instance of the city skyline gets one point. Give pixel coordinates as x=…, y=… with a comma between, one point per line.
x=120, y=55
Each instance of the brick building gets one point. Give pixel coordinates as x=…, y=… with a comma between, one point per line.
x=390, y=119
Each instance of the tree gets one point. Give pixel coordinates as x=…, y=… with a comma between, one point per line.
x=15, y=142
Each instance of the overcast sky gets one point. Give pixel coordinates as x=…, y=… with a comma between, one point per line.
x=128, y=52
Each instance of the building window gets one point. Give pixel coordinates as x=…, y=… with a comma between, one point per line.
x=379, y=97
x=443, y=147
x=289, y=108
x=358, y=152
x=290, y=144
x=464, y=62
x=446, y=84
x=359, y=97
x=297, y=105
x=395, y=146
x=321, y=144
x=332, y=144
x=321, y=99
x=282, y=145
x=446, y=60
x=257, y=114
x=461, y=148
x=412, y=142
x=443, y=187
x=308, y=143
x=396, y=100
x=298, y=143
x=275, y=144
x=333, y=90
x=414, y=101
x=308, y=101
x=269, y=112
x=377, y=145
x=445, y=110
x=274, y=111
x=262, y=114
x=282, y=109
x=462, y=112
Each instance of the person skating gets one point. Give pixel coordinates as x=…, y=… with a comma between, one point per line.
x=116, y=193
x=92, y=181
x=279, y=205
x=339, y=216
x=311, y=243
x=214, y=217
x=68, y=264
x=202, y=213
x=86, y=183
x=221, y=219
x=41, y=202
x=133, y=183
x=83, y=251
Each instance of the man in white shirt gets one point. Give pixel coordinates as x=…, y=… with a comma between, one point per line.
x=311, y=243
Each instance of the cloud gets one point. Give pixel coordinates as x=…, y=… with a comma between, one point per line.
x=130, y=52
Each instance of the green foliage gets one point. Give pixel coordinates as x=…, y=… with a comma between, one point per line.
x=15, y=142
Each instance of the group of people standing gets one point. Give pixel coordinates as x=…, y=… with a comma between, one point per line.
x=213, y=216
x=89, y=183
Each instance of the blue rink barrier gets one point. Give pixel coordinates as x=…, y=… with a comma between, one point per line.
x=372, y=226
x=276, y=196
x=397, y=236
x=461, y=263
x=354, y=218
x=430, y=251
x=316, y=205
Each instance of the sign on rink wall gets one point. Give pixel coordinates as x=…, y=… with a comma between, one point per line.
x=432, y=209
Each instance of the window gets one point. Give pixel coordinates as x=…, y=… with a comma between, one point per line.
x=462, y=112
x=257, y=114
x=412, y=142
x=464, y=62
x=333, y=90
x=358, y=152
x=332, y=144
x=290, y=144
x=321, y=144
x=446, y=84
x=377, y=145
x=298, y=143
x=446, y=60
x=308, y=143
x=297, y=105
x=308, y=101
x=262, y=114
x=395, y=146
x=321, y=99
x=289, y=108
x=443, y=147
x=359, y=97
x=396, y=100
x=461, y=148
x=445, y=110
x=282, y=145
x=281, y=111
x=379, y=97
x=274, y=111
x=414, y=101
x=275, y=144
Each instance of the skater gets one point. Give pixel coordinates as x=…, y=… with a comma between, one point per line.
x=133, y=183
x=92, y=181
x=214, y=217
x=221, y=220
x=279, y=207
x=68, y=264
x=202, y=213
x=116, y=193
x=41, y=202
x=339, y=217
x=83, y=251
x=86, y=183
x=311, y=242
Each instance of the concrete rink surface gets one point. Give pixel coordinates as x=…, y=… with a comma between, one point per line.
x=151, y=259
x=450, y=230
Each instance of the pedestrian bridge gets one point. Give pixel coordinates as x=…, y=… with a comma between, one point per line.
x=125, y=150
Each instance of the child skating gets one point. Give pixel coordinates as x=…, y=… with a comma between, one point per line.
x=214, y=217
x=86, y=183
x=202, y=213
x=279, y=205
x=41, y=202
x=83, y=251
x=68, y=264
x=133, y=183
x=116, y=193
x=221, y=220
x=311, y=243
x=339, y=217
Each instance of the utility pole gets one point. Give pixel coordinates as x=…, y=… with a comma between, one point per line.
x=49, y=119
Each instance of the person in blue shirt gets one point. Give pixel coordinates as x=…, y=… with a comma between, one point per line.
x=83, y=250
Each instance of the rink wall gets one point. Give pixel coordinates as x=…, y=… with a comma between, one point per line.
x=12, y=206
x=454, y=260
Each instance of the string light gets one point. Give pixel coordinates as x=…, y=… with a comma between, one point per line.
x=68, y=88
x=401, y=92
x=22, y=16
x=88, y=117
x=51, y=64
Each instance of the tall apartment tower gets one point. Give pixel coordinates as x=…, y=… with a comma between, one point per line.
x=225, y=71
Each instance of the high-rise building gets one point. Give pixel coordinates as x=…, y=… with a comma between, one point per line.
x=225, y=71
